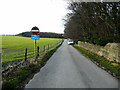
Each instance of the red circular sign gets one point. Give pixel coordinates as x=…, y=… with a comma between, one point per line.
x=35, y=30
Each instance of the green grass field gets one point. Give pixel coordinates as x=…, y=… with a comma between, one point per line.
x=13, y=47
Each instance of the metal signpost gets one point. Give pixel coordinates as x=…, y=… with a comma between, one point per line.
x=35, y=31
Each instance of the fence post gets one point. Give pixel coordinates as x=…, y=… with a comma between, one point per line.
x=25, y=54
x=48, y=46
x=37, y=51
x=44, y=48
x=51, y=46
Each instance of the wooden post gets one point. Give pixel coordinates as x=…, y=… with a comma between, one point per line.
x=25, y=54
x=37, y=51
x=44, y=48
x=48, y=46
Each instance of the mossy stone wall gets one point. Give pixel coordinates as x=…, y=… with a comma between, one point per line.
x=111, y=50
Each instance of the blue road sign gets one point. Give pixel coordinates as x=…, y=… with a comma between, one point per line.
x=35, y=37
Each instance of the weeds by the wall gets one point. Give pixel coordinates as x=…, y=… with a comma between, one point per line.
x=102, y=62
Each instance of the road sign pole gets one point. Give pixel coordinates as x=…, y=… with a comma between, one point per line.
x=35, y=31
x=35, y=49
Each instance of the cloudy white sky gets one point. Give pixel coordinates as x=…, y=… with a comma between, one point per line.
x=21, y=15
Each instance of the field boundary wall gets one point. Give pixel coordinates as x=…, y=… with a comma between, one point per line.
x=111, y=51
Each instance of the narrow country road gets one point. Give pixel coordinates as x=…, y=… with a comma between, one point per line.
x=68, y=68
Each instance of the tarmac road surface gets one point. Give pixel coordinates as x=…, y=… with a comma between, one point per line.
x=68, y=68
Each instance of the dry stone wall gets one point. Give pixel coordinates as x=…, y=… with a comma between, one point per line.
x=111, y=51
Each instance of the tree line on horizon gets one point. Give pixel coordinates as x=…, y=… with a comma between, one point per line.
x=41, y=34
x=93, y=22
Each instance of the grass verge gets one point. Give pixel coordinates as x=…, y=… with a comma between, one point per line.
x=17, y=79
x=101, y=62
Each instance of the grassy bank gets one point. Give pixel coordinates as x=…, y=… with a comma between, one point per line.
x=111, y=66
x=17, y=79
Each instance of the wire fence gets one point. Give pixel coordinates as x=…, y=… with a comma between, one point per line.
x=21, y=57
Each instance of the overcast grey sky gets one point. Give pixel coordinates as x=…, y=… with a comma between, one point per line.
x=21, y=15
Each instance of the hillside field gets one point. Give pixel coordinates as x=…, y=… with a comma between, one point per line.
x=13, y=47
